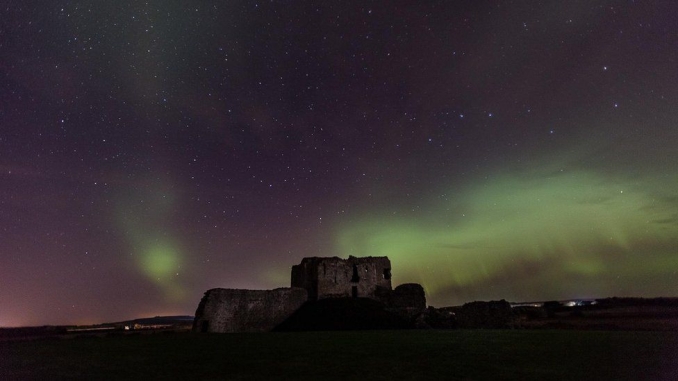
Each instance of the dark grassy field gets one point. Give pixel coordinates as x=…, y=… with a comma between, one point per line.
x=356, y=355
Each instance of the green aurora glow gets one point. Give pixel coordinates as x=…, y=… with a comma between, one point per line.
x=521, y=226
x=147, y=227
x=155, y=150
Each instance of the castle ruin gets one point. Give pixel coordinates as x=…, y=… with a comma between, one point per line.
x=342, y=278
x=315, y=278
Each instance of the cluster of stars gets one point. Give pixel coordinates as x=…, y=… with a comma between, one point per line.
x=178, y=146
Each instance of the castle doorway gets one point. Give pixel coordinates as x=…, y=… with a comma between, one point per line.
x=354, y=291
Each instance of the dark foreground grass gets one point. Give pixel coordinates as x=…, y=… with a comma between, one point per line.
x=357, y=355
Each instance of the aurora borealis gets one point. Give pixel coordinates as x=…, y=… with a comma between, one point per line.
x=150, y=151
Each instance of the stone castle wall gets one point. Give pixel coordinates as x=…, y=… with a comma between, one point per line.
x=336, y=278
x=230, y=310
x=407, y=300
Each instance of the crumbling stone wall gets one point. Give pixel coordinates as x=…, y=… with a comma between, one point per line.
x=408, y=300
x=231, y=310
x=493, y=314
x=436, y=318
x=336, y=278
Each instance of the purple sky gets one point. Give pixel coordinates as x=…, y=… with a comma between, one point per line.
x=150, y=151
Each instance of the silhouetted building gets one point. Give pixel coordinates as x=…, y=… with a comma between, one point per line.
x=231, y=310
x=368, y=277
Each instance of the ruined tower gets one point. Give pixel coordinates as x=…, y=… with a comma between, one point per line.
x=367, y=277
x=233, y=310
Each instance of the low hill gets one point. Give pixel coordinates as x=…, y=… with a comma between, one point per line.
x=160, y=320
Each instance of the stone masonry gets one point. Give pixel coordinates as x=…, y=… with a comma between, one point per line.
x=336, y=278
x=229, y=310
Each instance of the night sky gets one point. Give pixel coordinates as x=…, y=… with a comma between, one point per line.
x=149, y=151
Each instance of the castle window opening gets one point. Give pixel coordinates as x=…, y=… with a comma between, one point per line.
x=204, y=326
x=356, y=277
x=387, y=273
